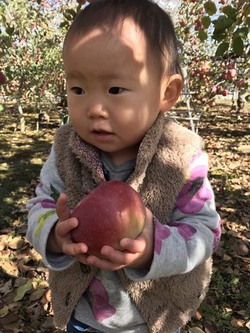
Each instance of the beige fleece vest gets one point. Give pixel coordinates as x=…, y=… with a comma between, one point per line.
x=162, y=163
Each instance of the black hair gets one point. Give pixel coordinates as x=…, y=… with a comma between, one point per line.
x=153, y=21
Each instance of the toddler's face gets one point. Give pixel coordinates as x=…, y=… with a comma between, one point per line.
x=114, y=89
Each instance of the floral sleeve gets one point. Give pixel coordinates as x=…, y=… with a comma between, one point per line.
x=193, y=232
x=42, y=214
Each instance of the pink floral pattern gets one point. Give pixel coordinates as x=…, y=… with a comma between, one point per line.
x=196, y=191
x=48, y=203
x=99, y=299
x=217, y=235
x=185, y=230
x=161, y=233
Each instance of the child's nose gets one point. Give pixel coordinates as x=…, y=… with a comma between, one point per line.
x=97, y=109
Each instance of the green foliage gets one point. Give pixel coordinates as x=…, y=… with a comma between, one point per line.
x=210, y=8
x=214, y=39
x=238, y=46
x=222, y=48
x=31, y=36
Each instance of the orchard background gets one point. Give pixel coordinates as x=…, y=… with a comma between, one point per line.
x=214, y=49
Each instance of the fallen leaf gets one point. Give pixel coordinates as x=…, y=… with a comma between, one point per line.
x=226, y=257
x=9, y=318
x=48, y=323
x=48, y=296
x=16, y=243
x=24, y=268
x=13, y=327
x=20, y=281
x=198, y=315
x=9, y=268
x=44, y=284
x=229, y=270
x=4, y=311
x=242, y=313
x=22, y=290
x=209, y=328
x=228, y=310
x=195, y=330
x=6, y=287
x=244, y=149
x=241, y=248
x=2, y=245
x=37, y=294
x=237, y=323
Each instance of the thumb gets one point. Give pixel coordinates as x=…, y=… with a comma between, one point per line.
x=62, y=210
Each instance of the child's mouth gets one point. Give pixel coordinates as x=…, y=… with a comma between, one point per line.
x=101, y=132
x=102, y=135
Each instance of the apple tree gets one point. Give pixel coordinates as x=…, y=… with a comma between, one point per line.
x=31, y=36
x=214, y=40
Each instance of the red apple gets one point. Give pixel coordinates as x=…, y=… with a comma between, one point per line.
x=232, y=73
x=211, y=103
x=224, y=92
x=182, y=23
x=2, y=78
x=225, y=76
x=110, y=212
x=232, y=65
x=240, y=83
x=204, y=65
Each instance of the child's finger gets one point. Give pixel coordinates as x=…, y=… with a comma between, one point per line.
x=74, y=249
x=61, y=207
x=133, y=245
x=103, y=264
x=119, y=258
x=63, y=228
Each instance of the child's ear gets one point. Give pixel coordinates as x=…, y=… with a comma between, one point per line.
x=172, y=87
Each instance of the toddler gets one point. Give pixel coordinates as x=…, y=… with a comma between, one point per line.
x=123, y=75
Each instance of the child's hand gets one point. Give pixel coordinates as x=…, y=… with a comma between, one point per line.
x=60, y=240
x=137, y=252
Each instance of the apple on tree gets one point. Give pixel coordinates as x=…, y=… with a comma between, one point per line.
x=112, y=211
x=240, y=83
x=2, y=78
x=224, y=92
x=232, y=73
x=211, y=103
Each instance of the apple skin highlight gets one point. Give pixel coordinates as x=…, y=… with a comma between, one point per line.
x=112, y=211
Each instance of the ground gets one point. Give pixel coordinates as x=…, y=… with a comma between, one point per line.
x=25, y=301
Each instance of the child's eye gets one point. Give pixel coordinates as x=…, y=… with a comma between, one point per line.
x=115, y=90
x=78, y=91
